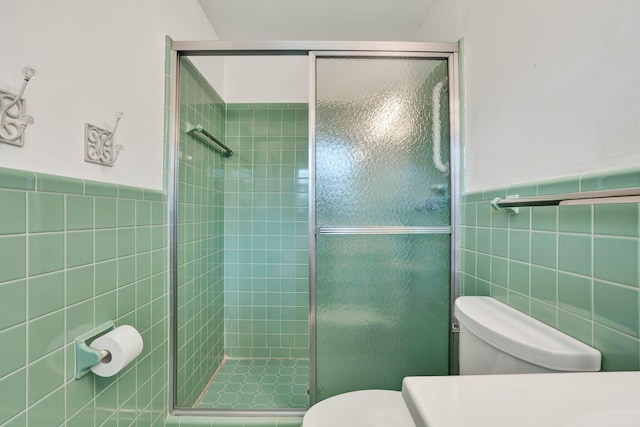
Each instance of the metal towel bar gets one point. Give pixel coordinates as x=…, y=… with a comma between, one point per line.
x=201, y=130
x=626, y=195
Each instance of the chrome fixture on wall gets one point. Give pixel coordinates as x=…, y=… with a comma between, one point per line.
x=512, y=202
x=13, y=117
x=212, y=138
x=98, y=147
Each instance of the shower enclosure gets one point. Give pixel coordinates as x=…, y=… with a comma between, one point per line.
x=317, y=258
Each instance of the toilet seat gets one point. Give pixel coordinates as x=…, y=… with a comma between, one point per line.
x=365, y=408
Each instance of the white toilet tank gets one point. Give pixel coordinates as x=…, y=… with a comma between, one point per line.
x=497, y=339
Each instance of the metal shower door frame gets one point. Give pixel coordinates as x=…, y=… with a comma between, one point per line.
x=312, y=49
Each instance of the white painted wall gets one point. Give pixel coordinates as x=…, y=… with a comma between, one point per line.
x=93, y=58
x=266, y=79
x=552, y=86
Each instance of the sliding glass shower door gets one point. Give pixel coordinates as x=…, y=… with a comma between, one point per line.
x=382, y=221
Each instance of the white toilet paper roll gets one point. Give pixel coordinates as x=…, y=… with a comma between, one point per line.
x=124, y=344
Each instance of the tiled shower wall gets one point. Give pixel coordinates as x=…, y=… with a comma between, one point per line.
x=73, y=255
x=200, y=237
x=266, y=231
x=575, y=268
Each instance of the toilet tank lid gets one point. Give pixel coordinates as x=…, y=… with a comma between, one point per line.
x=524, y=337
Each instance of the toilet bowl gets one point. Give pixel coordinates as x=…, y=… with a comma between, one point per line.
x=494, y=339
x=364, y=408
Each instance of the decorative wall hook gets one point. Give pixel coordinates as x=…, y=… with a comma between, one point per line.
x=98, y=145
x=13, y=117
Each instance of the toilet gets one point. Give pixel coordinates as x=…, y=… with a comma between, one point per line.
x=494, y=339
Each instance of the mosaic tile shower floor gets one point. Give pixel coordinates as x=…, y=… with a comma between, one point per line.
x=259, y=384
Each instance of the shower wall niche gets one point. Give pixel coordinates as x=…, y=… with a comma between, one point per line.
x=243, y=287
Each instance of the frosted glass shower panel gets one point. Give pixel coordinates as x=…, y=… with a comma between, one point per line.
x=383, y=242
x=382, y=310
x=382, y=136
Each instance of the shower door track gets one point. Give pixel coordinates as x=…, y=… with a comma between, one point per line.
x=312, y=49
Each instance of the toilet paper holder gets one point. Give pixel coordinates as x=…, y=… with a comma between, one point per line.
x=87, y=357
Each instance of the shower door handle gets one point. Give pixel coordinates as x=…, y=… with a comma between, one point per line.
x=384, y=230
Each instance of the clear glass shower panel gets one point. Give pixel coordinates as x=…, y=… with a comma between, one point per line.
x=382, y=310
x=382, y=142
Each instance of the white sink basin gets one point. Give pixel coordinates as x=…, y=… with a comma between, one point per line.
x=594, y=399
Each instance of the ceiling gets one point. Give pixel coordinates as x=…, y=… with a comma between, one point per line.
x=350, y=20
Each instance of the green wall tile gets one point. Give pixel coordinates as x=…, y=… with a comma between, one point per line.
x=574, y=253
x=126, y=213
x=92, y=188
x=79, y=246
x=12, y=257
x=130, y=192
x=523, y=190
x=13, y=207
x=483, y=242
x=38, y=313
x=79, y=284
x=576, y=327
x=560, y=186
x=105, y=245
x=13, y=303
x=575, y=219
x=45, y=375
x=575, y=294
x=618, y=219
x=106, y=276
x=519, y=242
x=46, y=294
x=13, y=356
x=521, y=220
x=157, y=213
x=143, y=239
x=59, y=184
x=48, y=411
x=617, y=307
x=46, y=253
x=79, y=319
x=153, y=195
x=544, y=249
x=106, y=212
x=611, y=180
x=46, y=334
x=46, y=212
x=520, y=302
x=106, y=307
x=18, y=421
x=126, y=241
x=484, y=267
x=500, y=271
x=544, y=285
x=619, y=351
x=544, y=218
x=545, y=313
x=17, y=179
x=519, y=277
x=616, y=260
x=13, y=391
x=126, y=270
x=81, y=418
x=143, y=213
x=79, y=213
